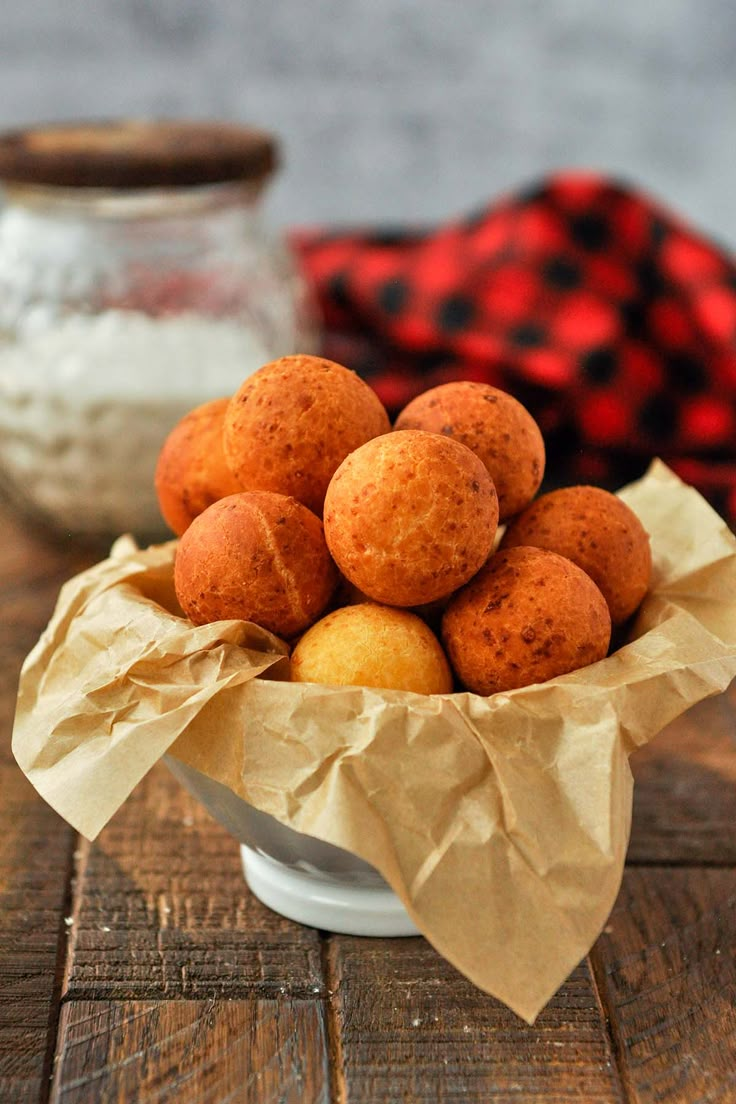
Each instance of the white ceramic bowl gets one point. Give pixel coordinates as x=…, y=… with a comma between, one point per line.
x=296, y=875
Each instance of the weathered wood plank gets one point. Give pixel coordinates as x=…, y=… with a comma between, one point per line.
x=192, y=1052
x=666, y=969
x=685, y=789
x=35, y=845
x=35, y=859
x=412, y=1029
x=162, y=909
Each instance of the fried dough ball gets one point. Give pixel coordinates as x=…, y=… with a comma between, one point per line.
x=372, y=645
x=495, y=426
x=410, y=517
x=598, y=532
x=527, y=616
x=191, y=472
x=292, y=423
x=258, y=557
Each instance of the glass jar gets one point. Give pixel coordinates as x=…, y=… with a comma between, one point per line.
x=137, y=280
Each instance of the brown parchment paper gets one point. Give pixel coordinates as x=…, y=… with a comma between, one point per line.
x=501, y=823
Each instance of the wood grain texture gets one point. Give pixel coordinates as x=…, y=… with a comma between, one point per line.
x=162, y=909
x=685, y=789
x=206, y=1052
x=666, y=968
x=35, y=860
x=35, y=845
x=412, y=1029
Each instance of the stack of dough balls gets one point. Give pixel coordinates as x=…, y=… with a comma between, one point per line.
x=299, y=508
x=259, y=552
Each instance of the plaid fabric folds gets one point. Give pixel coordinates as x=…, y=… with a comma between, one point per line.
x=609, y=318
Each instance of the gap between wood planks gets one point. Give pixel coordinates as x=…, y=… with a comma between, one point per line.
x=627, y=1090
x=336, y=1063
x=63, y=958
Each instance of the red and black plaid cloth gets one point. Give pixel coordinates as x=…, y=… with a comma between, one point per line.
x=611, y=320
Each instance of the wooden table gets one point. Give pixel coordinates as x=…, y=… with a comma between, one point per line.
x=140, y=968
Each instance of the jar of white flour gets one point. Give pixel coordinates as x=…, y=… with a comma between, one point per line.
x=137, y=280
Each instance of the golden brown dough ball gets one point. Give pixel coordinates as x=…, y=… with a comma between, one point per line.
x=410, y=516
x=257, y=557
x=371, y=645
x=495, y=426
x=191, y=472
x=598, y=532
x=294, y=421
x=527, y=616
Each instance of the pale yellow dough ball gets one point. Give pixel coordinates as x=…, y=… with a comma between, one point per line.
x=372, y=645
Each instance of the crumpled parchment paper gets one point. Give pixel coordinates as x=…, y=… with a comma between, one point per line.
x=501, y=823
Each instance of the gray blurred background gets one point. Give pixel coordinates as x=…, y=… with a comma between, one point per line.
x=417, y=110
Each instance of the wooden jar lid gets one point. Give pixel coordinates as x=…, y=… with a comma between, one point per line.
x=136, y=154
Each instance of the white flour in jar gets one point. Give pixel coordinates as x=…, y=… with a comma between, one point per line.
x=86, y=404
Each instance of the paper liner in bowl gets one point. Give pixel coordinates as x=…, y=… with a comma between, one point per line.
x=501, y=822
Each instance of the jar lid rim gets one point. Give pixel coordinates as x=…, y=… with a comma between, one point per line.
x=136, y=153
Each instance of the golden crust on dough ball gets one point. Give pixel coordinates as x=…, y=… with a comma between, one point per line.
x=372, y=645
x=292, y=423
x=527, y=616
x=410, y=517
x=495, y=426
x=191, y=472
x=257, y=557
x=598, y=532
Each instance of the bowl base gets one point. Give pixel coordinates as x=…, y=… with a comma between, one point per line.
x=322, y=903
